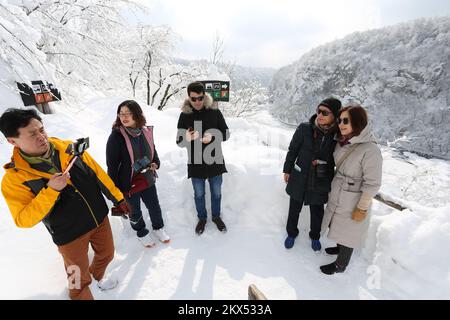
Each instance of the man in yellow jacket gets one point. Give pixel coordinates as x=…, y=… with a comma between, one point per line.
x=70, y=205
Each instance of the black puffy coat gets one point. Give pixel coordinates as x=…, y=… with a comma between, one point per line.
x=118, y=159
x=209, y=118
x=310, y=143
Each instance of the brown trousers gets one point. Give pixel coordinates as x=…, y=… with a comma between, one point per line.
x=76, y=260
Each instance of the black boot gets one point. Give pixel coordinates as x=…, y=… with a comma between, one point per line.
x=200, y=226
x=332, y=268
x=332, y=250
x=219, y=223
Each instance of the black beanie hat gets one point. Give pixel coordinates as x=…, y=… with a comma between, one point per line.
x=333, y=104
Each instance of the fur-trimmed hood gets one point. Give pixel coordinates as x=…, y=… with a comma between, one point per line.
x=208, y=104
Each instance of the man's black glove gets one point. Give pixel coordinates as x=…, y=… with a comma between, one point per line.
x=122, y=209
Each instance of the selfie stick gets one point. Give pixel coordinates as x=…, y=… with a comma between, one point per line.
x=70, y=165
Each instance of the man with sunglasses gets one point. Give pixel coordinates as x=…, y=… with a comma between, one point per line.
x=202, y=129
x=309, y=168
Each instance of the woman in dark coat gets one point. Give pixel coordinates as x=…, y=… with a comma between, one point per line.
x=309, y=168
x=132, y=162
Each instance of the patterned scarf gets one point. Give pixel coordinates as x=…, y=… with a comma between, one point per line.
x=134, y=132
x=345, y=140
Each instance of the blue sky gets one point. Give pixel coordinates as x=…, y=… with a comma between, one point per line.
x=275, y=33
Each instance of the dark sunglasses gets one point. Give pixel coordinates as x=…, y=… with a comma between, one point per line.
x=324, y=112
x=343, y=120
x=194, y=99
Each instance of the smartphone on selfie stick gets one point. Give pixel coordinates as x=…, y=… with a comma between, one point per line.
x=78, y=147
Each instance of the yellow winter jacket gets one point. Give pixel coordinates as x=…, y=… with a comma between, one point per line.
x=77, y=209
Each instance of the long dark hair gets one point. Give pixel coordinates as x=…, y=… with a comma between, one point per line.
x=135, y=109
x=358, y=118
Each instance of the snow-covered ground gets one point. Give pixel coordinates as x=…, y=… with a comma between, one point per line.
x=406, y=254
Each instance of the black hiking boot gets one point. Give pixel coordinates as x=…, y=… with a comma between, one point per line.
x=219, y=223
x=200, y=226
x=332, y=268
x=332, y=250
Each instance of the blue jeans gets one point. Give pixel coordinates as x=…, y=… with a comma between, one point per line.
x=150, y=198
x=215, y=186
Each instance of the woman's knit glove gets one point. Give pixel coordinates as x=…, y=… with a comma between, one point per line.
x=359, y=214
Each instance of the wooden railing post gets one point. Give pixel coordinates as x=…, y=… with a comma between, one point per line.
x=255, y=294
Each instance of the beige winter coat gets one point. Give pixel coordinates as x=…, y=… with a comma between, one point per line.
x=359, y=173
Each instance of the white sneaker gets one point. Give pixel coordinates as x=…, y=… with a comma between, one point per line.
x=107, y=283
x=162, y=235
x=147, y=241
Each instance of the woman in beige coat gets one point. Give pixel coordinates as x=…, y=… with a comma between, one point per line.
x=357, y=180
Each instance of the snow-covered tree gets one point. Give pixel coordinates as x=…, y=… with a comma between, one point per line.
x=247, y=99
x=20, y=59
x=80, y=39
x=399, y=73
x=247, y=93
x=173, y=79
